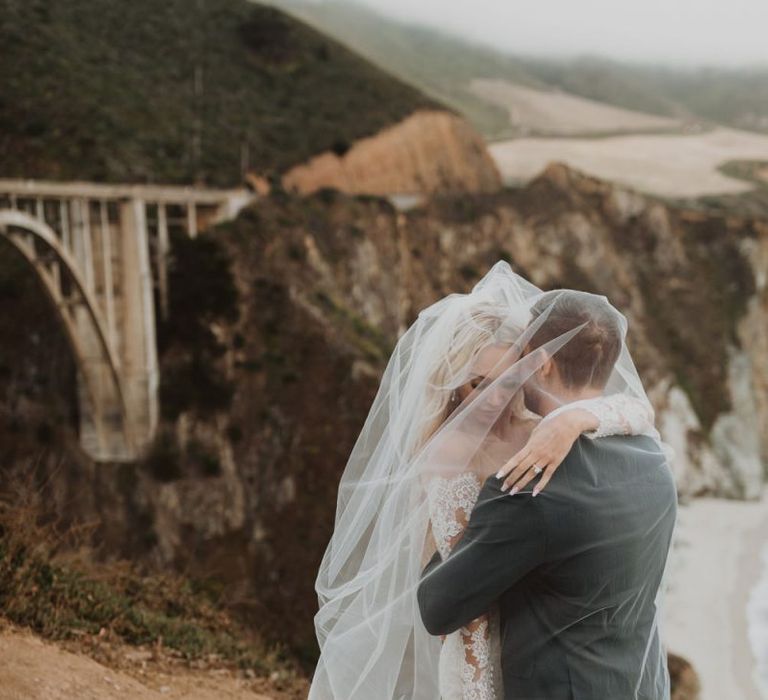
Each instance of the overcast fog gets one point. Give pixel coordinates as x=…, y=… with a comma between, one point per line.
x=688, y=32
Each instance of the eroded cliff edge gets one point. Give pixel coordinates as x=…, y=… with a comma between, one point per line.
x=429, y=151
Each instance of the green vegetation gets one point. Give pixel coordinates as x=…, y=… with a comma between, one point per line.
x=754, y=172
x=202, y=293
x=442, y=66
x=179, y=91
x=435, y=63
x=61, y=599
x=369, y=340
x=750, y=205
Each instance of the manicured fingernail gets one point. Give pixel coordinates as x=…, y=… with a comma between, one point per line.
x=535, y=492
x=504, y=487
x=499, y=474
x=513, y=491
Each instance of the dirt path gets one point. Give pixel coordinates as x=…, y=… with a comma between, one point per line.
x=33, y=669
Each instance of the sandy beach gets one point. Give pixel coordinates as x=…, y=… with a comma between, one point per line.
x=669, y=165
x=717, y=564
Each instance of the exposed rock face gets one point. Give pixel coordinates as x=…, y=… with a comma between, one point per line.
x=270, y=384
x=695, y=465
x=430, y=151
x=735, y=435
x=327, y=283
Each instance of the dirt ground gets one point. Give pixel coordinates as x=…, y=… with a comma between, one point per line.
x=34, y=669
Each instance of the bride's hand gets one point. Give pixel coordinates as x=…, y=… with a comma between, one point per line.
x=549, y=443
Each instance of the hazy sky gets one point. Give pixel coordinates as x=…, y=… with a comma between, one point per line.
x=712, y=32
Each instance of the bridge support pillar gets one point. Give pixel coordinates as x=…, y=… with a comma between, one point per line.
x=138, y=354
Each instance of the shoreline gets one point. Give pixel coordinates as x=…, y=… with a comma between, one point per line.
x=717, y=563
x=751, y=566
x=758, y=624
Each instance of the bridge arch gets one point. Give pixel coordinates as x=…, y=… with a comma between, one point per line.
x=101, y=253
x=105, y=425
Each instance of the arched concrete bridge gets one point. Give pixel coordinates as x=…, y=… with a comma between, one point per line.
x=100, y=252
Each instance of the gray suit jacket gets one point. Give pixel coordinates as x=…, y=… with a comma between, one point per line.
x=575, y=572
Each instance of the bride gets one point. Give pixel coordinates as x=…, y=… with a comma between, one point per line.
x=450, y=412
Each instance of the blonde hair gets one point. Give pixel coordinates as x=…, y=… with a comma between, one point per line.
x=483, y=325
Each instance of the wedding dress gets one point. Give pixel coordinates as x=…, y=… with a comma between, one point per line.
x=412, y=480
x=468, y=667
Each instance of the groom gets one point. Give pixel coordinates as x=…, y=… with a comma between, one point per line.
x=574, y=571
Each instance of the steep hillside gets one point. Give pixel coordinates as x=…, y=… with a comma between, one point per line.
x=179, y=91
x=444, y=66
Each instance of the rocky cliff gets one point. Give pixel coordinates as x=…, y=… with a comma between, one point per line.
x=691, y=284
x=430, y=151
x=281, y=322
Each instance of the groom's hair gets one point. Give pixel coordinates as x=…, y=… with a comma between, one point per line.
x=588, y=358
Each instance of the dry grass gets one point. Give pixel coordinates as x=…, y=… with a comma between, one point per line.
x=53, y=587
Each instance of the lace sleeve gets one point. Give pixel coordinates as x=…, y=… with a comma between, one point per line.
x=450, y=503
x=619, y=414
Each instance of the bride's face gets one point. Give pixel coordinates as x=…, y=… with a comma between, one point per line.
x=491, y=362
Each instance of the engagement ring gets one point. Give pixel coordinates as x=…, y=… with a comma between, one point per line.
x=537, y=469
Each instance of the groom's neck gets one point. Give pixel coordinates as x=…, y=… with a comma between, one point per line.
x=564, y=396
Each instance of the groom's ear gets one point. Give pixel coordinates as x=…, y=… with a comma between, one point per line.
x=547, y=369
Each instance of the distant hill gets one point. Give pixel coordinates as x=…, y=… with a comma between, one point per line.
x=179, y=91
x=733, y=97
x=440, y=65
x=444, y=66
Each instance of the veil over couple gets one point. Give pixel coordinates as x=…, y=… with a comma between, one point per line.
x=504, y=519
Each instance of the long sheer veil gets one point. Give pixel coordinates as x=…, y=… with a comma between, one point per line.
x=373, y=644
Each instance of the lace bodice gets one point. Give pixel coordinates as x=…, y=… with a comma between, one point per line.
x=466, y=668
x=466, y=672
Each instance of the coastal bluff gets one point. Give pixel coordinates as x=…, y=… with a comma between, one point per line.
x=428, y=152
x=281, y=322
